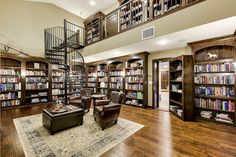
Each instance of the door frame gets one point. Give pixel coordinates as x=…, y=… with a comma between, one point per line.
x=155, y=87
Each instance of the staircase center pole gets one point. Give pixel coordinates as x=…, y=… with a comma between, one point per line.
x=66, y=66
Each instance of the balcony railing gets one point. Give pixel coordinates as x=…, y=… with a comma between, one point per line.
x=137, y=12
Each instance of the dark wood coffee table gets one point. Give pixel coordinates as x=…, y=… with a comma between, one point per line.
x=56, y=122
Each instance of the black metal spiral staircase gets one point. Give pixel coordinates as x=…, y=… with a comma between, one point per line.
x=63, y=46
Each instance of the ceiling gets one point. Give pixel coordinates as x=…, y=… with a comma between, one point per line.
x=82, y=8
x=171, y=41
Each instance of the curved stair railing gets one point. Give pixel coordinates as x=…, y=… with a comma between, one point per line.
x=62, y=47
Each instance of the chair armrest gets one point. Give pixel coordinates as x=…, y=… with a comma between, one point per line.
x=101, y=102
x=74, y=97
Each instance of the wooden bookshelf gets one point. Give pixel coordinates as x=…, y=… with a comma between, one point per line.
x=122, y=71
x=214, y=68
x=10, y=82
x=58, y=83
x=181, y=83
x=102, y=78
x=37, y=82
x=94, y=28
x=125, y=16
x=116, y=76
x=92, y=77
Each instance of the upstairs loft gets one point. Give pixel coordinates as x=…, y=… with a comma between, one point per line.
x=130, y=15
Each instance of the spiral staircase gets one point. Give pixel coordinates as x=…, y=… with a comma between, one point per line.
x=63, y=46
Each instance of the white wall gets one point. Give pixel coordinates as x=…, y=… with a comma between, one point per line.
x=23, y=23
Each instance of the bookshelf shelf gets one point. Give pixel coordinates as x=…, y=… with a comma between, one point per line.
x=215, y=79
x=181, y=80
x=214, y=97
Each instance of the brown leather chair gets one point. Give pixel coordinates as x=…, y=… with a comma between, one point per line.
x=85, y=103
x=107, y=114
x=115, y=97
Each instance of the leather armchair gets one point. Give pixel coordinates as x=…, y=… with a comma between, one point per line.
x=85, y=103
x=115, y=97
x=107, y=114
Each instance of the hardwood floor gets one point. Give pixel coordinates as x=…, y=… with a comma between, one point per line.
x=164, y=135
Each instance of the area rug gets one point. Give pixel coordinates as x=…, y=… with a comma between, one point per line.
x=87, y=140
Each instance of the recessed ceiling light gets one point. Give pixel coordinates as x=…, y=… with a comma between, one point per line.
x=163, y=42
x=92, y=2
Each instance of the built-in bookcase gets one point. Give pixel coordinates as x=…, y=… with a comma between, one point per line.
x=134, y=81
x=102, y=78
x=92, y=77
x=125, y=17
x=58, y=83
x=36, y=82
x=127, y=74
x=10, y=82
x=214, y=78
x=181, y=91
x=116, y=76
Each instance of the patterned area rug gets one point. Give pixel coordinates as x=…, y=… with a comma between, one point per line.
x=87, y=140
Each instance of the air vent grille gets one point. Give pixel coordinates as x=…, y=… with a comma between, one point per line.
x=148, y=33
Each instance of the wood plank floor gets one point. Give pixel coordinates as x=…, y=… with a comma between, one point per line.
x=164, y=135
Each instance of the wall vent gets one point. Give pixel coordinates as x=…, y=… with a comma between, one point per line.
x=148, y=33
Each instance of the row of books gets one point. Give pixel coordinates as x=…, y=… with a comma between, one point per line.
x=57, y=91
x=135, y=95
x=214, y=79
x=36, y=80
x=136, y=79
x=10, y=103
x=13, y=86
x=135, y=72
x=9, y=72
x=57, y=73
x=134, y=102
x=91, y=79
x=37, y=86
x=102, y=85
x=102, y=73
x=222, y=67
x=115, y=73
x=92, y=74
x=134, y=86
x=116, y=79
x=36, y=72
x=220, y=117
x=103, y=91
x=104, y=79
x=10, y=95
x=157, y=7
x=10, y=79
x=38, y=94
x=37, y=100
x=116, y=85
x=215, y=104
x=135, y=64
x=215, y=91
x=91, y=84
x=58, y=97
x=58, y=85
x=58, y=79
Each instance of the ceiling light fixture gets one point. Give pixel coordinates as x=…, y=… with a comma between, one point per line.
x=92, y=3
x=163, y=42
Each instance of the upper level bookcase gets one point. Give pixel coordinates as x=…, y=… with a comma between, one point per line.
x=181, y=83
x=94, y=28
x=214, y=78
